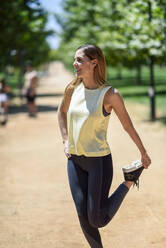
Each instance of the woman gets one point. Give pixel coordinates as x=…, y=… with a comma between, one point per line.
x=83, y=119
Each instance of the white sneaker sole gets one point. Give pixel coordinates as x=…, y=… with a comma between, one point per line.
x=133, y=166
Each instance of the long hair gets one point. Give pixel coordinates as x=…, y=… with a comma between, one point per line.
x=93, y=52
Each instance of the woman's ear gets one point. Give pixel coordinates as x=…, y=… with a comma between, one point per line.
x=94, y=62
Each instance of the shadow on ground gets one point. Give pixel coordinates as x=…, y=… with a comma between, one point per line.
x=162, y=120
x=12, y=95
x=50, y=95
x=15, y=109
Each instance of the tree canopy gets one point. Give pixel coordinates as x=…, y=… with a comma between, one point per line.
x=23, y=32
x=128, y=31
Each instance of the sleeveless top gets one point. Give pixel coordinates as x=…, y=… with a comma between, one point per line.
x=86, y=123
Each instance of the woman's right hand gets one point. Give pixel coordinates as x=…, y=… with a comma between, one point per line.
x=66, y=149
x=146, y=161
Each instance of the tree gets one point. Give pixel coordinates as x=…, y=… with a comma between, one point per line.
x=131, y=33
x=22, y=25
x=121, y=28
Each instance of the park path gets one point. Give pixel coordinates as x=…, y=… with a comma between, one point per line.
x=36, y=209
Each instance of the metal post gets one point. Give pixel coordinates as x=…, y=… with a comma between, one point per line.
x=152, y=82
x=21, y=57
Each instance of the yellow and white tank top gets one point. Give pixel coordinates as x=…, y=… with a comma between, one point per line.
x=87, y=126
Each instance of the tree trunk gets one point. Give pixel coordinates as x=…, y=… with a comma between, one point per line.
x=152, y=89
x=152, y=83
x=119, y=71
x=138, y=78
x=21, y=72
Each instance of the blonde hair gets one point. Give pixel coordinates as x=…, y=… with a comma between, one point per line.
x=92, y=52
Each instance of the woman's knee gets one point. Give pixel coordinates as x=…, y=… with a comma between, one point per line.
x=94, y=221
x=99, y=219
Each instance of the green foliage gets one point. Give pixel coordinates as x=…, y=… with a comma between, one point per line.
x=127, y=31
x=22, y=25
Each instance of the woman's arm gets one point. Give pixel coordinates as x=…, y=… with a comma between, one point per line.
x=116, y=102
x=62, y=118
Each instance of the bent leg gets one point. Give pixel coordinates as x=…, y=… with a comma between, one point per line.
x=116, y=199
x=98, y=189
x=102, y=208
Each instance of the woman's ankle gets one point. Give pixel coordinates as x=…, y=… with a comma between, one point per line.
x=128, y=184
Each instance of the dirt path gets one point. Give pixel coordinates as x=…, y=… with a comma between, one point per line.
x=36, y=209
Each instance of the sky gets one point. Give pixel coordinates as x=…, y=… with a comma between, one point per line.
x=52, y=6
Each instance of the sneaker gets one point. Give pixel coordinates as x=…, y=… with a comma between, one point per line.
x=133, y=171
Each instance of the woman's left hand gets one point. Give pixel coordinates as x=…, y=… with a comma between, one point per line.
x=146, y=161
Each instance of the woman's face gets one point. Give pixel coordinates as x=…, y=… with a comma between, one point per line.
x=82, y=64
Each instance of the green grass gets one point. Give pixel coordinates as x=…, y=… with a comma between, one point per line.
x=161, y=104
x=140, y=95
x=129, y=89
x=160, y=72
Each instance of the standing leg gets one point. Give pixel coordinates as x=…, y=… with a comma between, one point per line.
x=101, y=209
x=78, y=180
x=92, y=234
x=34, y=108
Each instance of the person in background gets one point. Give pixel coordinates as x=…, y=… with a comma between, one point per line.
x=4, y=100
x=83, y=117
x=29, y=89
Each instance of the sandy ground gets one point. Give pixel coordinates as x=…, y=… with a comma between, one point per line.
x=36, y=208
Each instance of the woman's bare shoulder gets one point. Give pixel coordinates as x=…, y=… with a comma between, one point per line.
x=113, y=96
x=112, y=93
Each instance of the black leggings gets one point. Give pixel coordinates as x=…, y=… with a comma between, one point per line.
x=90, y=179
